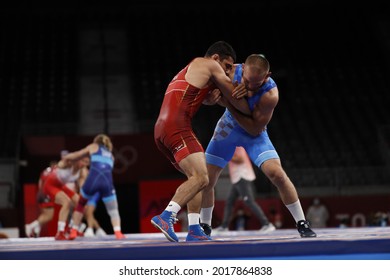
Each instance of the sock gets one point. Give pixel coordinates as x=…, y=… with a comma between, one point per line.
x=61, y=226
x=117, y=228
x=296, y=211
x=82, y=227
x=193, y=219
x=173, y=207
x=35, y=224
x=101, y=231
x=206, y=215
x=37, y=229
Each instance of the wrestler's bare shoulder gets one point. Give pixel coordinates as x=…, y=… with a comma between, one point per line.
x=203, y=62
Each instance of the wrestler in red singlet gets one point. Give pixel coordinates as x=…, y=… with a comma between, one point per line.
x=55, y=182
x=44, y=201
x=201, y=82
x=173, y=132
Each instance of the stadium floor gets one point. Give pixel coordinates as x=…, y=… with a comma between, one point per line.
x=332, y=243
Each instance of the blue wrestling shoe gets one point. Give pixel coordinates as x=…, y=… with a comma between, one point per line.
x=164, y=222
x=196, y=233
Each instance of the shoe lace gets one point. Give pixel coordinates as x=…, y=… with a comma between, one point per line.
x=304, y=224
x=173, y=219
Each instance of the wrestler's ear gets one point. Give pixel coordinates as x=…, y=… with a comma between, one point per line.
x=215, y=56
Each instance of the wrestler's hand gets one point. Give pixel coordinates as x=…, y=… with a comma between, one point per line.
x=239, y=90
x=212, y=97
x=223, y=101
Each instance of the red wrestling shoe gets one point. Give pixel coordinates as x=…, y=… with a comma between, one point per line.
x=119, y=235
x=73, y=234
x=60, y=236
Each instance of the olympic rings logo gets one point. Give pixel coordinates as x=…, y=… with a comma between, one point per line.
x=125, y=156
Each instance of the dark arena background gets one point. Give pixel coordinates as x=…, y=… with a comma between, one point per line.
x=67, y=74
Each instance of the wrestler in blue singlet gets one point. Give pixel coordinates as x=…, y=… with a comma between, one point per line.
x=94, y=199
x=99, y=179
x=228, y=134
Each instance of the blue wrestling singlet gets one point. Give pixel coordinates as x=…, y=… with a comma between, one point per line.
x=99, y=179
x=228, y=134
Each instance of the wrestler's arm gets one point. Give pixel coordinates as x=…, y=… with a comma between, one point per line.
x=91, y=148
x=212, y=97
x=261, y=115
x=225, y=85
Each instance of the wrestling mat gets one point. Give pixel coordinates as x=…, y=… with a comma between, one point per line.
x=282, y=244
